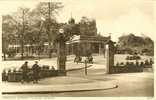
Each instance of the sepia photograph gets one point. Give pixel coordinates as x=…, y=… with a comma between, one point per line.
x=77, y=48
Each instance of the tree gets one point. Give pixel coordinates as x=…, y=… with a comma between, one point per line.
x=138, y=43
x=22, y=18
x=71, y=29
x=49, y=10
x=88, y=26
x=8, y=34
x=27, y=27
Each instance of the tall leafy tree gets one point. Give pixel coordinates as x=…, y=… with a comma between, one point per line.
x=48, y=11
x=9, y=27
x=138, y=43
x=22, y=18
x=71, y=28
x=88, y=26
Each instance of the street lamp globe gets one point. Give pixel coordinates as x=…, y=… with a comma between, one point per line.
x=61, y=31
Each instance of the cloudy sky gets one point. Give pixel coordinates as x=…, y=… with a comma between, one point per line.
x=113, y=16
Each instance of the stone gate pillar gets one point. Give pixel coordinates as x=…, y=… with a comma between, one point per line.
x=109, y=56
x=61, y=53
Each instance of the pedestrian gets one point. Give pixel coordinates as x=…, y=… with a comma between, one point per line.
x=151, y=61
x=25, y=70
x=36, y=71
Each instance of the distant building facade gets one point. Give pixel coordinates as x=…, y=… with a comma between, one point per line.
x=86, y=45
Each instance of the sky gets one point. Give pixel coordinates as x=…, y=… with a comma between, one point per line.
x=119, y=17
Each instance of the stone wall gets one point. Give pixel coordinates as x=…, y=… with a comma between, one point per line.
x=15, y=75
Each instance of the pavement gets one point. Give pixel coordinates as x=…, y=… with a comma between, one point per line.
x=59, y=84
x=68, y=84
x=95, y=84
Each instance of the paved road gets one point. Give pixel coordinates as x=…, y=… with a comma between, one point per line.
x=130, y=84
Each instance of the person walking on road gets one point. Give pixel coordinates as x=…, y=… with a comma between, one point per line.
x=24, y=68
x=36, y=70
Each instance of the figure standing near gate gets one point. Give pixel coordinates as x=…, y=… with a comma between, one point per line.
x=36, y=71
x=25, y=70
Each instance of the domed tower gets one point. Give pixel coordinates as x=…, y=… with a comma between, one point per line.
x=71, y=21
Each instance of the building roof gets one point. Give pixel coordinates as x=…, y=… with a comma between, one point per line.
x=91, y=39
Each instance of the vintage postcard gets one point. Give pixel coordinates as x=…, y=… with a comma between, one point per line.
x=77, y=48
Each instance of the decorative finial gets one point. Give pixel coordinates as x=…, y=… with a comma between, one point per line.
x=110, y=35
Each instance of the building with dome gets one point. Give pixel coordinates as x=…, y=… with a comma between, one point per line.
x=82, y=43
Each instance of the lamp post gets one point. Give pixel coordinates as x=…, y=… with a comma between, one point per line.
x=61, y=52
x=85, y=67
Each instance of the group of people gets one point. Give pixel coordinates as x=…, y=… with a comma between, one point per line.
x=34, y=73
x=89, y=59
x=77, y=59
